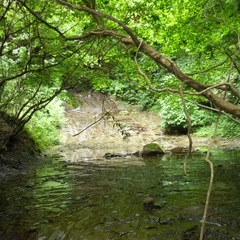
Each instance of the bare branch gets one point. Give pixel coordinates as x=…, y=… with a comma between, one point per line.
x=221, y=86
x=207, y=160
x=95, y=122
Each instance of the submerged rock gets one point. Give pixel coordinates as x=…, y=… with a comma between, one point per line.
x=121, y=155
x=151, y=149
x=179, y=150
x=149, y=204
x=182, y=150
x=114, y=155
x=148, y=201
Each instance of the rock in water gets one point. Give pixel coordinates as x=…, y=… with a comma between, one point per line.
x=151, y=149
x=114, y=155
x=149, y=204
x=177, y=150
x=148, y=200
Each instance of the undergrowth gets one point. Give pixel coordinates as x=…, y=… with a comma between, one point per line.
x=45, y=125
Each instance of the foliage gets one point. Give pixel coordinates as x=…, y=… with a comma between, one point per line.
x=226, y=128
x=173, y=118
x=128, y=92
x=44, y=126
x=47, y=47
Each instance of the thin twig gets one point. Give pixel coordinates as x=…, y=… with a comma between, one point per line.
x=210, y=68
x=215, y=110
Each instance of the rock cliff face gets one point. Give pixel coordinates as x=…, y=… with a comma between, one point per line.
x=100, y=125
x=113, y=124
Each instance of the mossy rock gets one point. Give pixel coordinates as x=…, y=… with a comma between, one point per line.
x=151, y=149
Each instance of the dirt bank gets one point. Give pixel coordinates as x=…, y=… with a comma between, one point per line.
x=18, y=157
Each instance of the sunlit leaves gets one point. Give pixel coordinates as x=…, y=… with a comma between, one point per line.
x=45, y=125
x=38, y=54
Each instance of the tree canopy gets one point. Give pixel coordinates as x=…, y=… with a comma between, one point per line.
x=189, y=48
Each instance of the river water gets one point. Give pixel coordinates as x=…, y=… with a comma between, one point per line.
x=102, y=199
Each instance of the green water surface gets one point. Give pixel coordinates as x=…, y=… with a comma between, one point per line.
x=102, y=199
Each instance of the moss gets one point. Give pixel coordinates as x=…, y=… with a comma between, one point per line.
x=152, y=149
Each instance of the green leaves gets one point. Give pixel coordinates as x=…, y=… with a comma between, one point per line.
x=47, y=47
x=44, y=126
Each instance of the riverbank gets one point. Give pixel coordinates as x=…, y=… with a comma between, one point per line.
x=101, y=124
x=97, y=126
x=16, y=163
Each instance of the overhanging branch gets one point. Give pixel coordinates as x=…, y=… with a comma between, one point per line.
x=160, y=60
x=170, y=66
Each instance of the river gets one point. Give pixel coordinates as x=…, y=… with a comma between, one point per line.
x=102, y=199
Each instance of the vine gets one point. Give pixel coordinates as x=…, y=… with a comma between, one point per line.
x=189, y=126
x=210, y=163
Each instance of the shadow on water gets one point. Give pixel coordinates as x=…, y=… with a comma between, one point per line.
x=102, y=199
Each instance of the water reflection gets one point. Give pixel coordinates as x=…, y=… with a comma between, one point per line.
x=102, y=199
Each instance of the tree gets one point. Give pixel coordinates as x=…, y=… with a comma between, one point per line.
x=131, y=39
x=36, y=65
x=169, y=65
x=50, y=46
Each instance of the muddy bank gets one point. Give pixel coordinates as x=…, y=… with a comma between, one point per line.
x=18, y=155
x=16, y=163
